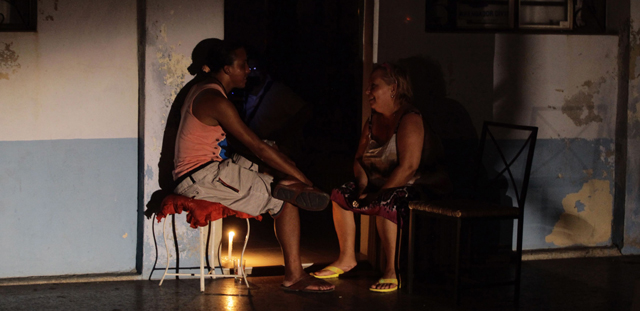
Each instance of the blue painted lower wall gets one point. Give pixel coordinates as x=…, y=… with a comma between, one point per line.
x=580, y=172
x=68, y=207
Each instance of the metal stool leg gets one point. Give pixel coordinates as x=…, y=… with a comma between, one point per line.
x=210, y=252
x=164, y=235
x=202, y=252
x=246, y=239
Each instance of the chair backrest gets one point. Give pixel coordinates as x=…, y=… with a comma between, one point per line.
x=505, y=158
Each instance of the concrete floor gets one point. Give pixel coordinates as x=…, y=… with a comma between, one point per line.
x=567, y=284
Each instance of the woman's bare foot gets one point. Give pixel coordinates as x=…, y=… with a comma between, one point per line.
x=344, y=265
x=306, y=283
x=384, y=285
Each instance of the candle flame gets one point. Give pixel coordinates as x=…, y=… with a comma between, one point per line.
x=231, y=234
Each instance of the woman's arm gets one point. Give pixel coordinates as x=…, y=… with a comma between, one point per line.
x=213, y=109
x=410, y=138
x=361, y=176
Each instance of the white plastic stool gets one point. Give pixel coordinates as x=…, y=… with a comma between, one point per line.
x=212, y=273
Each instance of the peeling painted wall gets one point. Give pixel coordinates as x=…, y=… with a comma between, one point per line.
x=173, y=30
x=565, y=84
x=9, y=64
x=587, y=216
x=580, y=107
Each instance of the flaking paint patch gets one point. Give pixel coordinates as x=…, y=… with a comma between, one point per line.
x=8, y=61
x=590, y=226
x=589, y=172
x=148, y=173
x=608, y=156
x=580, y=107
x=45, y=13
x=173, y=64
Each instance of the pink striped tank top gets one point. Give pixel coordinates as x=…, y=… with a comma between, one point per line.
x=196, y=142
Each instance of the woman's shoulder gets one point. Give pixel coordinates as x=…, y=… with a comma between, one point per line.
x=411, y=115
x=411, y=110
x=209, y=88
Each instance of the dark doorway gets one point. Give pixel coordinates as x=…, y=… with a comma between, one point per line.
x=315, y=48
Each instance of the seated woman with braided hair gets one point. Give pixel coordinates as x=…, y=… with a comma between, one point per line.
x=205, y=169
x=399, y=159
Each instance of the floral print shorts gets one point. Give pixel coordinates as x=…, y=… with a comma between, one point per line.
x=388, y=204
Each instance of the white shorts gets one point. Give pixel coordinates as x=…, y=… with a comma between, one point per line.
x=234, y=183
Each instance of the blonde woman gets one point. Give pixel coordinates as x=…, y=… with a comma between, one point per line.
x=399, y=159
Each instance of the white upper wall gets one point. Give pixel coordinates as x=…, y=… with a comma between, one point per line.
x=551, y=81
x=566, y=85
x=76, y=78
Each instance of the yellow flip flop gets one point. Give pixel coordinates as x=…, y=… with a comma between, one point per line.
x=336, y=272
x=386, y=290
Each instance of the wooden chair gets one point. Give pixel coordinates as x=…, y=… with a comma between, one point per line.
x=200, y=214
x=511, y=158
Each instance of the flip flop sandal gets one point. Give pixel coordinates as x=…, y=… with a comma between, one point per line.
x=303, y=196
x=336, y=272
x=302, y=284
x=386, y=290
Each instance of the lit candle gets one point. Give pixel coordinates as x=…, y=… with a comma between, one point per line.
x=231, y=234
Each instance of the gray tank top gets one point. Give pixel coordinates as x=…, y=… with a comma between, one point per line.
x=379, y=161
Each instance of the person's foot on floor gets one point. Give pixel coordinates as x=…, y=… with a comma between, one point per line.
x=307, y=284
x=382, y=283
x=342, y=266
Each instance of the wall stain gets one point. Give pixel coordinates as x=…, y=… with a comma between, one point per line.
x=46, y=14
x=580, y=107
x=608, y=156
x=173, y=64
x=589, y=173
x=148, y=173
x=8, y=61
x=587, y=217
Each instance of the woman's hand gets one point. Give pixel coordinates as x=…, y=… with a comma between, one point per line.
x=366, y=198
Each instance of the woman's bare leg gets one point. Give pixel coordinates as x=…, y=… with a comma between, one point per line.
x=287, y=229
x=346, y=230
x=388, y=232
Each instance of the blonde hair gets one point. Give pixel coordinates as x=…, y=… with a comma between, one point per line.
x=393, y=74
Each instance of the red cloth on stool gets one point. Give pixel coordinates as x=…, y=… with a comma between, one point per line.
x=199, y=212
